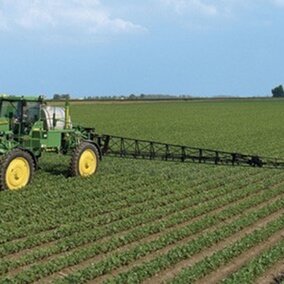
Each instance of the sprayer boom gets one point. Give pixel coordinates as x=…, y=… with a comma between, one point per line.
x=122, y=147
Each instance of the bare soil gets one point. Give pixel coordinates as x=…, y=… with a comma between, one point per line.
x=150, y=238
x=174, y=270
x=238, y=262
x=274, y=275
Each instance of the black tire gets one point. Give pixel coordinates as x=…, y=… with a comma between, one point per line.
x=76, y=156
x=5, y=161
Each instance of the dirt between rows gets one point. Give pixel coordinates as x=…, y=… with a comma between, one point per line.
x=24, y=252
x=129, y=246
x=50, y=258
x=239, y=261
x=274, y=275
x=152, y=237
x=70, y=207
x=71, y=269
x=175, y=270
x=166, y=274
x=23, y=239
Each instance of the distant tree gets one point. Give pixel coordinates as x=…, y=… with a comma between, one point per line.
x=65, y=97
x=56, y=97
x=132, y=97
x=278, y=92
x=61, y=97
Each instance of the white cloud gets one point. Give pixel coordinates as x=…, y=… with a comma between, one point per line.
x=211, y=14
x=217, y=8
x=3, y=23
x=88, y=16
x=278, y=2
x=220, y=8
x=193, y=6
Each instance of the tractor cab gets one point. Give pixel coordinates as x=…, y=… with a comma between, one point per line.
x=18, y=114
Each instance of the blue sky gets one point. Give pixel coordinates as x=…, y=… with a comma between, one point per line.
x=97, y=47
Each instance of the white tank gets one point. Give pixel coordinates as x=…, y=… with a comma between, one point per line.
x=49, y=113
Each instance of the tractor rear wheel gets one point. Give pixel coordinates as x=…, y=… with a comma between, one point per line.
x=16, y=170
x=85, y=160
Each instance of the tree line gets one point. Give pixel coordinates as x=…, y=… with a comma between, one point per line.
x=277, y=92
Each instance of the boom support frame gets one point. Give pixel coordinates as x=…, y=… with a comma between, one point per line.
x=123, y=147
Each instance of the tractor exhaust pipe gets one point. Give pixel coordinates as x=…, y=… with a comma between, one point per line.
x=67, y=115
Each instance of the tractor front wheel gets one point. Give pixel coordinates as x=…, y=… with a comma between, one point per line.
x=85, y=160
x=16, y=170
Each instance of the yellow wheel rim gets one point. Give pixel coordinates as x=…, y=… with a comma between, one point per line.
x=18, y=173
x=87, y=163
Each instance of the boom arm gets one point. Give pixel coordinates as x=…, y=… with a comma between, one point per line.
x=123, y=147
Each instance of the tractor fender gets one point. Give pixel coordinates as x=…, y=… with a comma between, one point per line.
x=97, y=146
x=35, y=159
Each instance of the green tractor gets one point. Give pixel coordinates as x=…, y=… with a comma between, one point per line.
x=28, y=126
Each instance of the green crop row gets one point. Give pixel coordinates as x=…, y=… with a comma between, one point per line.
x=126, y=257
x=95, y=199
x=125, y=219
x=138, y=233
x=41, y=270
x=16, y=231
x=49, y=222
x=224, y=256
x=91, y=209
x=177, y=254
x=194, y=123
x=258, y=266
x=102, y=196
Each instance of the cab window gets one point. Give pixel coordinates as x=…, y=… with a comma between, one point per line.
x=9, y=109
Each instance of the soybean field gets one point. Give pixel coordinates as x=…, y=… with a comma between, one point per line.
x=139, y=221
